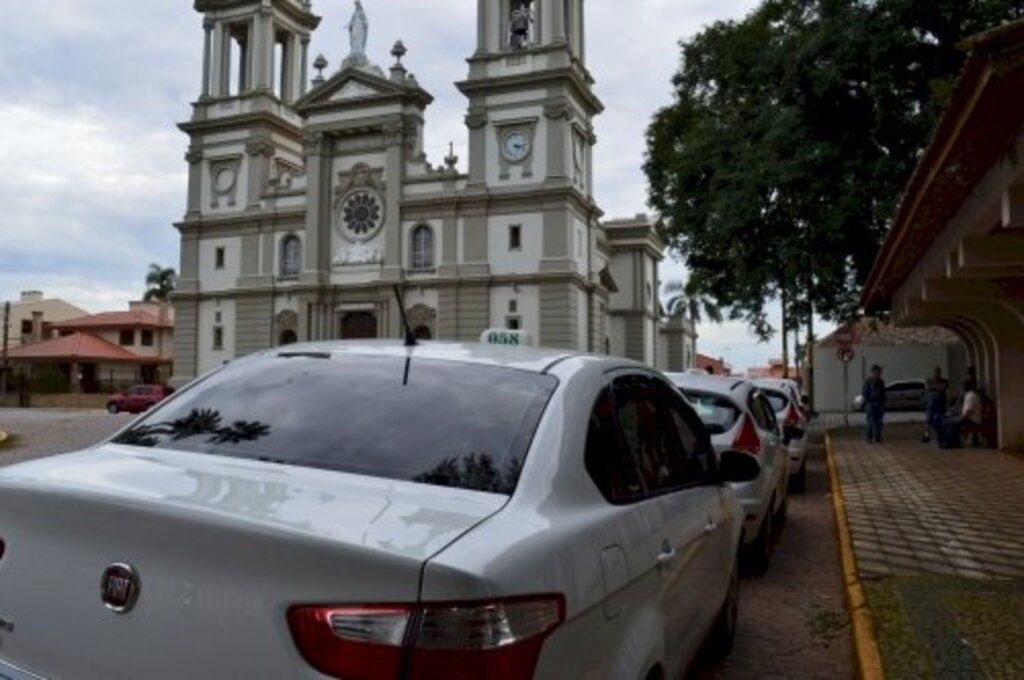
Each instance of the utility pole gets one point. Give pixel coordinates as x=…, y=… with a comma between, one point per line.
x=3, y=357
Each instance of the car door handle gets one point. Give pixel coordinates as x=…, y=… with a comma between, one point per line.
x=667, y=556
x=710, y=528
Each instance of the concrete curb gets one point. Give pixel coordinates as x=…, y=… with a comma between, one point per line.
x=869, y=660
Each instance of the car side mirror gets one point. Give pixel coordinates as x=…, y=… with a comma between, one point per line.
x=737, y=467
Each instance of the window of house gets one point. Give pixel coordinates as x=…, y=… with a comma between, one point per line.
x=218, y=258
x=26, y=327
x=291, y=256
x=218, y=337
x=127, y=338
x=422, y=247
x=515, y=237
x=147, y=338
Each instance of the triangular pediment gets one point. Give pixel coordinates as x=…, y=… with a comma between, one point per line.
x=356, y=85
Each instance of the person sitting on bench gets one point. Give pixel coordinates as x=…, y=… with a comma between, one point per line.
x=966, y=419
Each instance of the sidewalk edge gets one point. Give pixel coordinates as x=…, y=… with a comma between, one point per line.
x=869, y=661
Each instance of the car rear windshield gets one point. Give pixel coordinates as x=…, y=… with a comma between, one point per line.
x=718, y=414
x=778, y=400
x=428, y=421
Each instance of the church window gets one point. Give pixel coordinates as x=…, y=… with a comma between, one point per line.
x=515, y=237
x=422, y=247
x=218, y=337
x=218, y=258
x=291, y=256
x=237, y=65
x=522, y=22
x=513, y=323
x=513, y=306
x=361, y=214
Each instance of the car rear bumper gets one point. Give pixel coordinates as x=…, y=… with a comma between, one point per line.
x=797, y=451
x=11, y=672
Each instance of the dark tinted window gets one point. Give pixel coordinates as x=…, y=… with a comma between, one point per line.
x=718, y=414
x=646, y=431
x=434, y=422
x=608, y=462
x=763, y=413
x=693, y=440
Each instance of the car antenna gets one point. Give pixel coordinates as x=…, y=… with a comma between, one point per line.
x=410, y=337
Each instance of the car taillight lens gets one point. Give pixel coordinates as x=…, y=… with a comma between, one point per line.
x=499, y=640
x=792, y=417
x=747, y=439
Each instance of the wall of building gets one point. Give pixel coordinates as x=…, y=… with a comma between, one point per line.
x=908, y=362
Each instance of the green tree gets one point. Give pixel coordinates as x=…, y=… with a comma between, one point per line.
x=160, y=283
x=682, y=299
x=793, y=132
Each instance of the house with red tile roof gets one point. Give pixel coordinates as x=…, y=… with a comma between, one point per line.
x=106, y=351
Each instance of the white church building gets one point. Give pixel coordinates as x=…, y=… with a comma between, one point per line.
x=310, y=197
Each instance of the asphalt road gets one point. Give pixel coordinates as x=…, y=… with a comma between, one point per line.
x=45, y=432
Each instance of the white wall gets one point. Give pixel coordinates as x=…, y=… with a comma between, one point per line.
x=528, y=304
x=911, y=362
x=209, y=358
x=527, y=259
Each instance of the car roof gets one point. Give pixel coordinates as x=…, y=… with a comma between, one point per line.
x=776, y=383
x=532, y=359
x=710, y=383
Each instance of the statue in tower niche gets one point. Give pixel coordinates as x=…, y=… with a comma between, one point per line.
x=521, y=25
x=358, y=29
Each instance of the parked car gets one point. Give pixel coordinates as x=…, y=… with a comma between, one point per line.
x=740, y=418
x=137, y=399
x=785, y=400
x=900, y=395
x=374, y=511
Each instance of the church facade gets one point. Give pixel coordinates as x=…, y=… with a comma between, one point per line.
x=311, y=199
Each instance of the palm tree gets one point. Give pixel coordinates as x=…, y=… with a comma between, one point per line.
x=160, y=283
x=680, y=299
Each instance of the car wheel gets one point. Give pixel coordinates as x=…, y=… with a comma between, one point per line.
x=113, y=408
x=760, y=551
x=798, y=484
x=723, y=635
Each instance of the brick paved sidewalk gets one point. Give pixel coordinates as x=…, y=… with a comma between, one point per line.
x=939, y=542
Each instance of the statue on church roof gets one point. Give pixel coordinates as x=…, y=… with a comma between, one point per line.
x=358, y=29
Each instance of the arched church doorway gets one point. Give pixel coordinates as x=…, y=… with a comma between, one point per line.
x=288, y=338
x=423, y=333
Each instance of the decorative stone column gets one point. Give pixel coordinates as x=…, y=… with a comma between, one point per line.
x=207, y=58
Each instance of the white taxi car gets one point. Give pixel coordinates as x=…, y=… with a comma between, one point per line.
x=784, y=398
x=740, y=418
x=373, y=511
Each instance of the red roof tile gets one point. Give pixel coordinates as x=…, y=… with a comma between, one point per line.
x=114, y=320
x=76, y=347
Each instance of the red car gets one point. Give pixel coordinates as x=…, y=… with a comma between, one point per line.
x=137, y=399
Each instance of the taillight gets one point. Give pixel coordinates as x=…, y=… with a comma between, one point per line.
x=500, y=640
x=747, y=439
x=792, y=417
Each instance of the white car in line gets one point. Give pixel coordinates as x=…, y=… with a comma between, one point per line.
x=740, y=418
x=374, y=511
x=785, y=400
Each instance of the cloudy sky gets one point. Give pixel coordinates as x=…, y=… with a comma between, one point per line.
x=96, y=175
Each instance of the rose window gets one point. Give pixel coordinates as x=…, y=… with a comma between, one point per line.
x=361, y=213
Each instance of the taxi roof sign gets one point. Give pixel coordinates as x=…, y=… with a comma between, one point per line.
x=506, y=337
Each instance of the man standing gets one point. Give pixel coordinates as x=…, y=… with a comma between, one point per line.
x=874, y=404
x=936, y=402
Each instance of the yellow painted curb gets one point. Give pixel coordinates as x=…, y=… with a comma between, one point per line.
x=869, y=661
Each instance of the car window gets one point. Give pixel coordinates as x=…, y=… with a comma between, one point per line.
x=718, y=414
x=692, y=437
x=647, y=434
x=778, y=400
x=762, y=411
x=608, y=461
x=435, y=422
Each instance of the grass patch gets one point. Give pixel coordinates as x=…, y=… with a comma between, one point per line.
x=827, y=624
x=944, y=626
